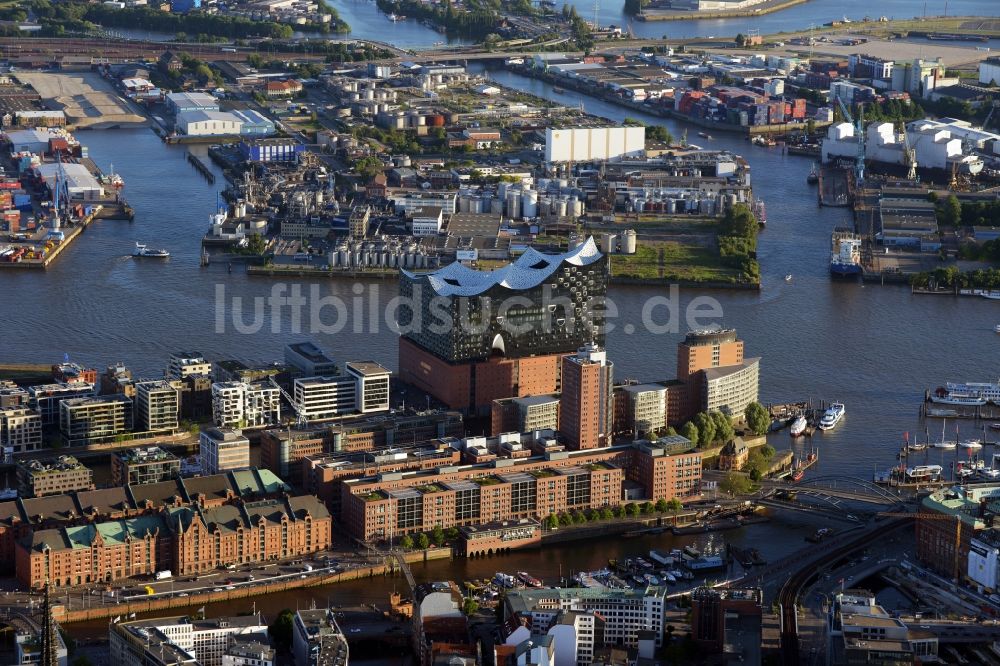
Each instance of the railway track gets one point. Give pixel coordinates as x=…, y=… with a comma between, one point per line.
x=789, y=594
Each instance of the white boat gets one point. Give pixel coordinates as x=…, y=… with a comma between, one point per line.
x=924, y=472
x=788, y=278
x=970, y=444
x=968, y=391
x=916, y=446
x=944, y=443
x=143, y=251
x=832, y=416
x=996, y=329
x=798, y=426
x=958, y=399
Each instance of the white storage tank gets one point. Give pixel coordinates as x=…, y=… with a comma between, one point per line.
x=609, y=243
x=638, y=204
x=496, y=206
x=629, y=241
x=514, y=205
x=331, y=258
x=577, y=206
x=529, y=204
x=393, y=260
x=561, y=205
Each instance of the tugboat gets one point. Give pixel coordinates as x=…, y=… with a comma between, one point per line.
x=141, y=251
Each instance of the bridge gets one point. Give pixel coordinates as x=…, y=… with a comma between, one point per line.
x=832, y=488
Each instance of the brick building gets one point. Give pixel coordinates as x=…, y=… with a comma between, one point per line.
x=586, y=406
x=37, y=478
x=518, y=352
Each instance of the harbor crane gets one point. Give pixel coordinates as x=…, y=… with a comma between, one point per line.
x=956, y=519
x=859, y=130
x=909, y=156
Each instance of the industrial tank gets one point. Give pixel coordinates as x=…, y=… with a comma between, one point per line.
x=629, y=241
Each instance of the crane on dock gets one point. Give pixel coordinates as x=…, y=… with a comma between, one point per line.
x=859, y=130
x=910, y=156
x=956, y=519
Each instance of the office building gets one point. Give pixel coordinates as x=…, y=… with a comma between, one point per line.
x=712, y=366
x=645, y=409
x=12, y=395
x=728, y=621
x=729, y=390
x=20, y=430
x=183, y=640
x=224, y=450
x=536, y=412
x=973, y=507
x=149, y=464
x=310, y=360
x=426, y=221
x=157, y=406
x=94, y=420
x=317, y=639
x=533, y=311
x=245, y=405
x=625, y=614
x=586, y=406
x=862, y=632
x=283, y=450
x=38, y=478
x=323, y=398
x=357, y=223
x=702, y=350
x=248, y=653
x=372, y=385
x=185, y=364
x=45, y=398
x=441, y=630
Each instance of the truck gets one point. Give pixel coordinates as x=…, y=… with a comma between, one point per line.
x=163, y=575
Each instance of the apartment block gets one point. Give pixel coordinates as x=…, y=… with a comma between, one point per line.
x=182, y=640
x=245, y=405
x=317, y=639
x=45, y=398
x=96, y=419
x=645, y=409
x=586, y=406
x=149, y=464
x=186, y=364
x=406, y=496
x=38, y=478
x=283, y=450
x=223, y=450
x=12, y=395
x=157, y=406
x=20, y=430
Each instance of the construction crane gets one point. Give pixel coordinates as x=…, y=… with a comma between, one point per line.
x=859, y=130
x=300, y=419
x=989, y=115
x=957, y=563
x=909, y=156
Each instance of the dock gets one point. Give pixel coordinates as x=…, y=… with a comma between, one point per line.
x=834, y=187
x=202, y=166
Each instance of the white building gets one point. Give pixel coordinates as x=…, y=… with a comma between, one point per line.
x=989, y=71
x=184, y=364
x=646, y=406
x=427, y=221
x=625, y=613
x=317, y=639
x=321, y=398
x=180, y=102
x=77, y=181
x=586, y=144
x=407, y=202
x=209, y=123
x=372, y=385
x=984, y=559
x=244, y=405
x=933, y=144
x=182, y=640
x=223, y=450
x=251, y=653
x=20, y=430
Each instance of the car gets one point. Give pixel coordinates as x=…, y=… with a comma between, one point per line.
x=183, y=594
x=216, y=589
x=230, y=587
x=302, y=576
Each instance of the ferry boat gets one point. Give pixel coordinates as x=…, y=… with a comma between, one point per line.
x=705, y=135
x=759, y=211
x=924, y=472
x=995, y=426
x=967, y=393
x=832, y=416
x=528, y=579
x=845, y=253
x=798, y=426
x=143, y=251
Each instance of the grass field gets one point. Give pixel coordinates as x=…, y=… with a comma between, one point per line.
x=671, y=260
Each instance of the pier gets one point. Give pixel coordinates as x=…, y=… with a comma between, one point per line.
x=834, y=187
x=202, y=166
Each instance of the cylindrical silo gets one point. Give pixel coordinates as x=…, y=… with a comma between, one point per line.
x=496, y=206
x=629, y=241
x=514, y=205
x=608, y=243
x=529, y=204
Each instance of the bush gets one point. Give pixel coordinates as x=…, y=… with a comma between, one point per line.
x=406, y=542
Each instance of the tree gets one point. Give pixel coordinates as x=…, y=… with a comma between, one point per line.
x=757, y=418
x=566, y=519
x=470, y=606
x=689, y=431
x=741, y=39
x=406, y=542
x=368, y=167
x=551, y=521
x=736, y=484
x=281, y=629
x=423, y=541
x=647, y=507
x=724, y=431
x=674, y=505
x=661, y=505
x=951, y=211
x=451, y=533
x=607, y=513
x=706, y=428
x=256, y=244
x=632, y=509
x=437, y=535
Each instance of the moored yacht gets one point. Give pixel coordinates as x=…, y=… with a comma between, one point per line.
x=798, y=426
x=832, y=416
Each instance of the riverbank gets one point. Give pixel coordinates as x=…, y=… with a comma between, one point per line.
x=768, y=7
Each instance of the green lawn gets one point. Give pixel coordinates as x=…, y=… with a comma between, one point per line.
x=669, y=260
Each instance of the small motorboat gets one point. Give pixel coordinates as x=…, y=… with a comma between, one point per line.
x=813, y=176
x=996, y=329
x=788, y=278
x=143, y=251
x=995, y=426
x=798, y=426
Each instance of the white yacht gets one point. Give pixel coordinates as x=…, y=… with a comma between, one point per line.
x=970, y=444
x=832, y=416
x=798, y=426
x=944, y=443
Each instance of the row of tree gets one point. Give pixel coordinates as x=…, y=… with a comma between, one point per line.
x=951, y=277
x=708, y=428
x=438, y=537
x=738, y=242
x=578, y=517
